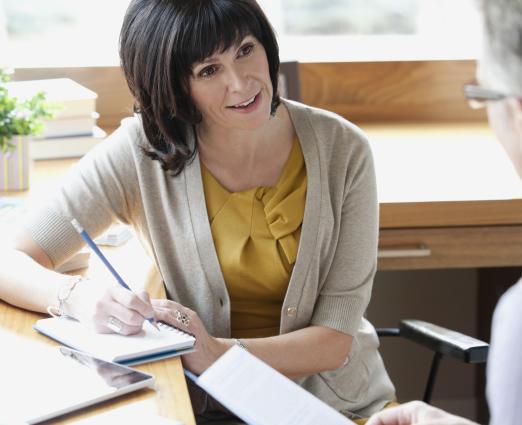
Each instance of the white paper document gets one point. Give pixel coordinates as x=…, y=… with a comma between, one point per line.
x=260, y=395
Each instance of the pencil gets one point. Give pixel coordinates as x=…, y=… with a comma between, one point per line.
x=88, y=240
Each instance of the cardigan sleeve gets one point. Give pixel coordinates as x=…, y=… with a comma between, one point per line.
x=346, y=292
x=100, y=189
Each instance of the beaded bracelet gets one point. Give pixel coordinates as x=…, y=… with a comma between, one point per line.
x=63, y=295
x=240, y=344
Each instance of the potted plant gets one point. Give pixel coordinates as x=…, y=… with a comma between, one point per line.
x=19, y=119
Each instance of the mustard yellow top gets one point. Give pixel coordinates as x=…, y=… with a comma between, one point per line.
x=256, y=235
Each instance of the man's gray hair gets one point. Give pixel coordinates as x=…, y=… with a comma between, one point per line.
x=503, y=38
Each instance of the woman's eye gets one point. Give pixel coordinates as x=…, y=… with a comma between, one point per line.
x=208, y=71
x=246, y=50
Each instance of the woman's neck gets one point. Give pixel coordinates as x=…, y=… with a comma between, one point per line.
x=225, y=146
x=242, y=160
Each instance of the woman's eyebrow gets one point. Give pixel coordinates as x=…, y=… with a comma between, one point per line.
x=207, y=61
x=215, y=58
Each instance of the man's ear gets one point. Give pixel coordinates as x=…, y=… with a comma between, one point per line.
x=516, y=113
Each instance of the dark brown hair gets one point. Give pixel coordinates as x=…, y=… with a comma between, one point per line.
x=160, y=41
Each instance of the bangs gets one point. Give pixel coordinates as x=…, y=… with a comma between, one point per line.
x=214, y=27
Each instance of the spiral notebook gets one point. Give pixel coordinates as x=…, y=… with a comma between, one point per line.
x=146, y=346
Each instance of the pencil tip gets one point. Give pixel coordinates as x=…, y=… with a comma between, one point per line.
x=153, y=322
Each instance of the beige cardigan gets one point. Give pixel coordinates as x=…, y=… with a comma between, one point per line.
x=332, y=278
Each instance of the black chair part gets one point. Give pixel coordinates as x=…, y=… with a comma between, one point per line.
x=444, y=342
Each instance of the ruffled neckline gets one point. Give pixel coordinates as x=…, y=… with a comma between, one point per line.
x=283, y=203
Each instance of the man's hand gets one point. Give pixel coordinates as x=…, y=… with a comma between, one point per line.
x=416, y=413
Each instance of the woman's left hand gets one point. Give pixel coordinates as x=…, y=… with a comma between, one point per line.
x=208, y=348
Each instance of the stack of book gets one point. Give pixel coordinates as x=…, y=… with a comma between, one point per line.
x=115, y=235
x=72, y=131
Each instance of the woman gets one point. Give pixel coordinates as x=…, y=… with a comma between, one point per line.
x=260, y=213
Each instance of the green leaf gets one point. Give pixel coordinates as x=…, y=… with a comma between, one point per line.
x=21, y=117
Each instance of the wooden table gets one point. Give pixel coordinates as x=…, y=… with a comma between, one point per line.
x=449, y=197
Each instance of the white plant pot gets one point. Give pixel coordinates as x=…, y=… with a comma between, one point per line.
x=15, y=166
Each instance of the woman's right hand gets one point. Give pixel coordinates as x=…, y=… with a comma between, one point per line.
x=109, y=308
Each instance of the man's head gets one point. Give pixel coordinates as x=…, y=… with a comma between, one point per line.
x=500, y=69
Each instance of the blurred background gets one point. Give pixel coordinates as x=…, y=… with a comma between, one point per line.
x=35, y=33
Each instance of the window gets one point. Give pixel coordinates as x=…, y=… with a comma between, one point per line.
x=337, y=30
x=55, y=33
x=341, y=17
x=61, y=32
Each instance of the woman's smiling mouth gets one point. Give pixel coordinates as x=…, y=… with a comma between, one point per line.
x=248, y=105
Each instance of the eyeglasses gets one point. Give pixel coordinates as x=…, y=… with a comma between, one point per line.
x=478, y=96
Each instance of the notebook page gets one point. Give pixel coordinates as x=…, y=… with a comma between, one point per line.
x=112, y=346
x=260, y=395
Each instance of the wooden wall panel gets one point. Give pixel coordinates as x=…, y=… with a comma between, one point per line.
x=427, y=91
x=390, y=91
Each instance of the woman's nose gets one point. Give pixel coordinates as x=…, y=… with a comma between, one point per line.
x=236, y=80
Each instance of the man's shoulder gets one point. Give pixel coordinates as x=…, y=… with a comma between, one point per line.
x=509, y=304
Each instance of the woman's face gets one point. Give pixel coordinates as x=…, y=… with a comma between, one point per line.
x=233, y=90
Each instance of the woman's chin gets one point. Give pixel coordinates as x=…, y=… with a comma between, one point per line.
x=254, y=122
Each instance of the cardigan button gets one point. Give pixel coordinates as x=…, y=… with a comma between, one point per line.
x=259, y=193
x=221, y=302
x=291, y=311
